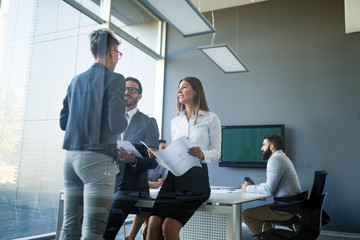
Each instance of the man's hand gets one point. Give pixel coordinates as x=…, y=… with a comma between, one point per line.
x=196, y=152
x=151, y=155
x=245, y=184
x=125, y=157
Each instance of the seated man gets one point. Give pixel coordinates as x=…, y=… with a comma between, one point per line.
x=156, y=178
x=281, y=180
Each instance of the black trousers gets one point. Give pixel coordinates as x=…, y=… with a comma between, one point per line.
x=122, y=206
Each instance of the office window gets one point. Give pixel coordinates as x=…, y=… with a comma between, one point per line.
x=135, y=20
x=43, y=44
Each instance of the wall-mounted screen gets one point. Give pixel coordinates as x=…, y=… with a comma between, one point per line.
x=241, y=144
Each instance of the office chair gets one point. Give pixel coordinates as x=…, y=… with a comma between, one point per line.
x=292, y=222
x=317, y=189
x=308, y=212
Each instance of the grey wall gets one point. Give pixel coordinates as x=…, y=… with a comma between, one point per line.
x=304, y=73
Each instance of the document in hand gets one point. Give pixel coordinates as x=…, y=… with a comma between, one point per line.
x=128, y=147
x=176, y=157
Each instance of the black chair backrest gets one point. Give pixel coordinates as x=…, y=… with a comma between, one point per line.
x=310, y=212
x=319, y=184
x=318, y=189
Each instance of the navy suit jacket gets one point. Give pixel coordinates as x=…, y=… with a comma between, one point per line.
x=132, y=178
x=76, y=114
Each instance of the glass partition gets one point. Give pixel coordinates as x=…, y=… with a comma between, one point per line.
x=43, y=45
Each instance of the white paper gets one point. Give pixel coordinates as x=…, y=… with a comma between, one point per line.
x=128, y=147
x=236, y=190
x=176, y=157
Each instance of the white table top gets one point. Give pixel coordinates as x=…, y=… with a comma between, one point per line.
x=234, y=196
x=226, y=196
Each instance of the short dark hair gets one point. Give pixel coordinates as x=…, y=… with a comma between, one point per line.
x=101, y=41
x=135, y=80
x=162, y=141
x=276, y=140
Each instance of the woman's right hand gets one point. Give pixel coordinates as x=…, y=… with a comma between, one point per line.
x=151, y=155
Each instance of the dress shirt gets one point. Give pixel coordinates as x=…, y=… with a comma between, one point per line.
x=281, y=177
x=128, y=116
x=206, y=133
x=131, y=113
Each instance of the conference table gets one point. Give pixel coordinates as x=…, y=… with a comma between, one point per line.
x=218, y=218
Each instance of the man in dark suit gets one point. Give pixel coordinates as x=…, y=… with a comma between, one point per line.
x=131, y=177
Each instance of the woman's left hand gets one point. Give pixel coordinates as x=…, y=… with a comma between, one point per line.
x=196, y=152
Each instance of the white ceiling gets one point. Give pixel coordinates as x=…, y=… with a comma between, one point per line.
x=210, y=5
x=352, y=8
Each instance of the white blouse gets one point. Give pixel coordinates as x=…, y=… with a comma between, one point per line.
x=206, y=133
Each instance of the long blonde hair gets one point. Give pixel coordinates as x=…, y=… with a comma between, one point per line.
x=199, y=98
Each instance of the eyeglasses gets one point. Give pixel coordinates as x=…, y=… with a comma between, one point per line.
x=132, y=89
x=119, y=53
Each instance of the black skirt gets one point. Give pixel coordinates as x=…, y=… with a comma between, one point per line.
x=180, y=197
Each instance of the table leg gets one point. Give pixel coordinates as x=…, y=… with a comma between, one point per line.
x=237, y=227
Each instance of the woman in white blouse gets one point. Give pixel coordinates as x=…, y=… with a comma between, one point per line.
x=180, y=196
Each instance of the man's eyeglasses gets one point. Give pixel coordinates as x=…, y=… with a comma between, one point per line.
x=119, y=54
x=132, y=89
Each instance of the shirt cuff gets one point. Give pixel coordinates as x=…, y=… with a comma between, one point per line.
x=134, y=165
x=250, y=189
